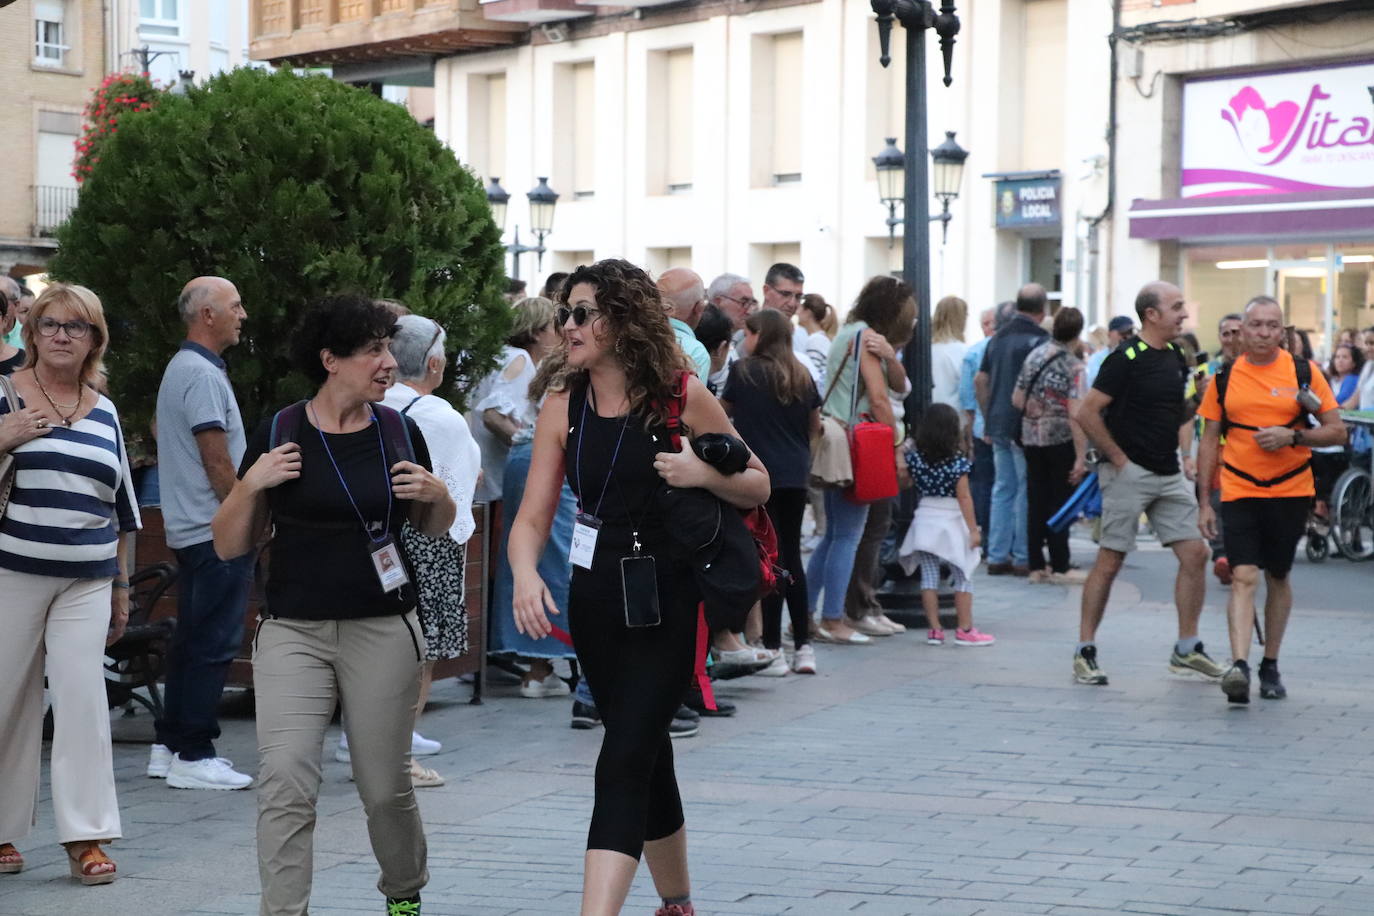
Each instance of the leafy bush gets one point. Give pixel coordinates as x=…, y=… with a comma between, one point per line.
x=291, y=187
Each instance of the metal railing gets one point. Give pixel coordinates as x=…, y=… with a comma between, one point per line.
x=51, y=207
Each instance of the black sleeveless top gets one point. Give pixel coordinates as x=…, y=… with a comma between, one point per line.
x=627, y=475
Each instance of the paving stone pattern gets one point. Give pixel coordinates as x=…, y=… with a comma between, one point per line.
x=904, y=779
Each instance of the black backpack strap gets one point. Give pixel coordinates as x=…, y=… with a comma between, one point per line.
x=1272, y=480
x=395, y=432
x=1220, y=381
x=286, y=425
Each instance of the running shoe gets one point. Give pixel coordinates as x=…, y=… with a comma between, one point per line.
x=584, y=716
x=682, y=728
x=777, y=668
x=1085, y=670
x=804, y=660
x=403, y=906
x=209, y=773
x=551, y=685
x=973, y=637
x=1195, y=662
x=1235, y=683
x=935, y=637
x=159, y=761
x=1271, y=685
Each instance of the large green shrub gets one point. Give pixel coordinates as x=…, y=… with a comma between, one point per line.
x=291, y=187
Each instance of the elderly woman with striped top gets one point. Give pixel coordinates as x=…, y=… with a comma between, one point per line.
x=64, y=579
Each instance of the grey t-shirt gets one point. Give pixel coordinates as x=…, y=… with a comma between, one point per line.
x=195, y=395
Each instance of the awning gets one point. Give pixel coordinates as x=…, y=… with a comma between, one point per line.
x=1346, y=213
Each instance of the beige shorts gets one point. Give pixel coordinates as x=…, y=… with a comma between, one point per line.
x=1167, y=500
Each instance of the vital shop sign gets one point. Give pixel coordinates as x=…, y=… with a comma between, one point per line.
x=1024, y=203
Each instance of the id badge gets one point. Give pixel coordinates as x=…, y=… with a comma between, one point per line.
x=639, y=582
x=386, y=560
x=585, y=531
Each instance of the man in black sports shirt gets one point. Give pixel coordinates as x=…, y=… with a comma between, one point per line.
x=1141, y=389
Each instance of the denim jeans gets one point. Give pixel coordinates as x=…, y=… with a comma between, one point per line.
x=1007, y=534
x=211, y=597
x=833, y=562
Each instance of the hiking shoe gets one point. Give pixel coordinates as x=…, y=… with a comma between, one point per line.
x=584, y=716
x=683, y=728
x=209, y=773
x=973, y=637
x=1271, y=686
x=1085, y=670
x=1235, y=683
x=804, y=660
x=159, y=761
x=1195, y=662
x=403, y=906
x=935, y=637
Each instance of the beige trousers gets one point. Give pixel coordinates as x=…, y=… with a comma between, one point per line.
x=301, y=670
x=58, y=627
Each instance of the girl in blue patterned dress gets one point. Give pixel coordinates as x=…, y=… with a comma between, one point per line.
x=943, y=530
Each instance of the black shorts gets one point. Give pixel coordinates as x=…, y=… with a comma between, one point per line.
x=1264, y=531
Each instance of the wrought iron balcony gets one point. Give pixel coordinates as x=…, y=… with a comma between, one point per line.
x=51, y=207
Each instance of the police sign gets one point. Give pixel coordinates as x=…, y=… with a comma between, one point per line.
x=1023, y=203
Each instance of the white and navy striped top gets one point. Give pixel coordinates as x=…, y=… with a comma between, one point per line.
x=72, y=496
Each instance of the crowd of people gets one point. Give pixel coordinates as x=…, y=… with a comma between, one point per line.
x=626, y=420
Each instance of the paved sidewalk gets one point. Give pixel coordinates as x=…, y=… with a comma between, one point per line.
x=902, y=779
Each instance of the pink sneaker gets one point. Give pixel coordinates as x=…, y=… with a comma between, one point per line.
x=935, y=637
x=674, y=909
x=971, y=637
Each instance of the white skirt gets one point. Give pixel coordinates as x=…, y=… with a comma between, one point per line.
x=938, y=528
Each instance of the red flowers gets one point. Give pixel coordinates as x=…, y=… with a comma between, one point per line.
x=118, y=94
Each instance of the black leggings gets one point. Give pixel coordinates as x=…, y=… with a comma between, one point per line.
x=1047, y=489
x=785, y=508
x=637, y=678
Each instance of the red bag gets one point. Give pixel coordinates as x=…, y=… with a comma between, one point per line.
x=871, y=448
x=875, y=462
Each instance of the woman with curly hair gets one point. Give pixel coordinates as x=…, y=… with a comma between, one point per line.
x=604, y=428
x=340, y=622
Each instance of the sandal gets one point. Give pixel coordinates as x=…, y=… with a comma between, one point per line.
x=11, y=862
x=422, y=777
x=91, y=865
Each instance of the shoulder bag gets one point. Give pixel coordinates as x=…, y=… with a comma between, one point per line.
x=7, y=468
x=831, y=464
x=873, y=455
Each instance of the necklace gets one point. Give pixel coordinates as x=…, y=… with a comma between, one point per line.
x=65, y=417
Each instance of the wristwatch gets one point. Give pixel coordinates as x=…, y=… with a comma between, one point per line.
x=1297, y=437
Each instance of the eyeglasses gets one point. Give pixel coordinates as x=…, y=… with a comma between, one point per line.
x=794, y=294
x=579, y=315
x=743, y=303
x=74, y=329
x=1230, y=332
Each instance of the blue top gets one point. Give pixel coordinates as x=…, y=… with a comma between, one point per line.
x=939, y=479
x=695, y=349
x=968, y=395
x=72, y=495
x=1348, y=386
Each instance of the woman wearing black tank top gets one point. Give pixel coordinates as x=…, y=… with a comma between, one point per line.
x=603, y=427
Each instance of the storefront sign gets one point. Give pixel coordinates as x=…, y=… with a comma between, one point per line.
x=1279, y=133
x=1023, y=203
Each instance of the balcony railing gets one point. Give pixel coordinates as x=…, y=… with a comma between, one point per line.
x=51, y=207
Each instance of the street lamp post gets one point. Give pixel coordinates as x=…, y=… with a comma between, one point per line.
x=542, y=200
x=916, y=16
x=890, y=166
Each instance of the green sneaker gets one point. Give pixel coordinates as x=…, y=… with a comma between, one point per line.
x=1195, y=662
x=1085, y=670
x=403, y=906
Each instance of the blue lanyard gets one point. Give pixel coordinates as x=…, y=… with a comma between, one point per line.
x=386, y=475
x=614, y=455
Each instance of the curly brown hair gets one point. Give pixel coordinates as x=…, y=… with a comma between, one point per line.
x=645, y=345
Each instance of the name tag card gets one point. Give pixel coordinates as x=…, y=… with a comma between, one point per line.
x=386, y=560
x=585, y=531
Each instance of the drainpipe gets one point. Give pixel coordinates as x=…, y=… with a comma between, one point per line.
x=1094, y=234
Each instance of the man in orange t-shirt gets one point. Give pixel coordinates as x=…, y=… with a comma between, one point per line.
x=1266, y=483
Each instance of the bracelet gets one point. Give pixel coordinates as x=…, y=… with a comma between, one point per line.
x=121, y=583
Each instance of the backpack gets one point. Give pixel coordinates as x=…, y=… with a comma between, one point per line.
x=1303, y=370
x=286, y=427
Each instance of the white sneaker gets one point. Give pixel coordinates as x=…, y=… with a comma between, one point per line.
x=777, y=668
x=804, y=660
x=341, y=753
x=210, y=773
x=420, y=746
x=159, y=760
x=550, y=686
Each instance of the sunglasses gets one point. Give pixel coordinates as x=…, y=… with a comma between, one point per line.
x=579, y=315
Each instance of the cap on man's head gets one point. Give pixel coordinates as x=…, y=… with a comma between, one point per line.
x=1121, y=324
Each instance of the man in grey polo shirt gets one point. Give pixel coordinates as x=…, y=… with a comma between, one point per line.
x=200, y=443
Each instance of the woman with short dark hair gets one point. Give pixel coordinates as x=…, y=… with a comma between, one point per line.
x=1051, y=383
x=334, y=479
